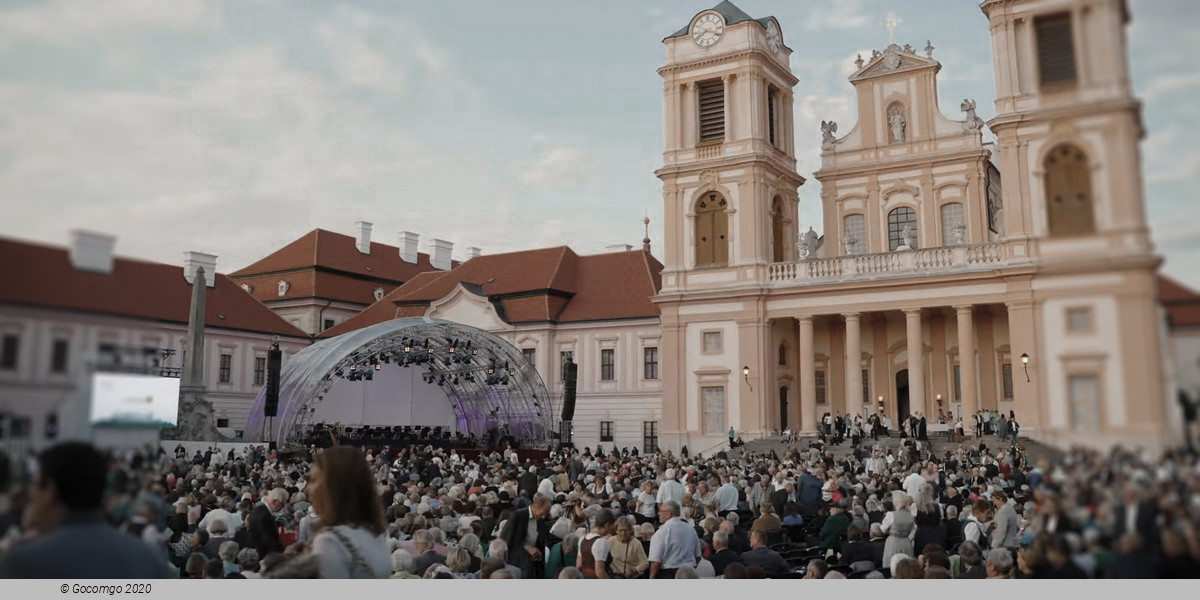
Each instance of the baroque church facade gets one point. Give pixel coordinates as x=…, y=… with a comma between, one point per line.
x=952, y=276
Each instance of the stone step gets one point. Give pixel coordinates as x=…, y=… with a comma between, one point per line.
x=1036, y=451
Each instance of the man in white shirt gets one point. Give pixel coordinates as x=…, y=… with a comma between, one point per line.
x=727, y=496
x=913, y=483
x=670, y=490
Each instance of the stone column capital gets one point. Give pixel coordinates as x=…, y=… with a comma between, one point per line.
x=851, y=316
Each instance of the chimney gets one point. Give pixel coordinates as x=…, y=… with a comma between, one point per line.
x=619, y=247
x=92, y=251
x=439, y=254
x=473, y=252
x=408, y=247
x=194, y=260
x=364, y=237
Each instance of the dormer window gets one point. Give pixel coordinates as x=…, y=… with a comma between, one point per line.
x=378, y=294
x=283, y=287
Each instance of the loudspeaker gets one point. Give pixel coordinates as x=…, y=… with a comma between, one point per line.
x=570, y=377
x=274, y=363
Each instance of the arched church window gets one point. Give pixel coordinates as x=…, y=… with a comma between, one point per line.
x=1068, y=192
x=902, y=228
x=712, y=231
x=854, y=234
x=777, y=231
x=954, y=224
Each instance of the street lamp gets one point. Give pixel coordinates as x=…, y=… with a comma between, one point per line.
x=1025, y=365
x=746, y=375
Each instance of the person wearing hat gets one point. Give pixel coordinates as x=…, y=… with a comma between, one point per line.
x=834, y=528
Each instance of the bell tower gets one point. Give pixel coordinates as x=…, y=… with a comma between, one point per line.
x=729, y=166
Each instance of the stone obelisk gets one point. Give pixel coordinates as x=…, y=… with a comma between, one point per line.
x=195, y=419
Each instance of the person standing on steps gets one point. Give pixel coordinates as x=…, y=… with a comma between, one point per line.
x=731, y=437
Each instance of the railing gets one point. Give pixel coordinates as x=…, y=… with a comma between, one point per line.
x=710, y=151
x=923, y=261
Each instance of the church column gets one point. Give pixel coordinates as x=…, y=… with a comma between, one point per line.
x=808, y=377
x=916, y=363
x=785, y=129
x=691, y=120
x=854, y=392
x=729, y=111
x=985, y=348
x=966, y=364
x=1022, y=340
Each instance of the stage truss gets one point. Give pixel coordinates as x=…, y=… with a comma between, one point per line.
x=486, y=379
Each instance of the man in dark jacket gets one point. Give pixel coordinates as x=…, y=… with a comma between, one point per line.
x=760, y=556
x=525, y=534
x=809, y=494
x=723, y=556
x=75, y=541
x=835, y=528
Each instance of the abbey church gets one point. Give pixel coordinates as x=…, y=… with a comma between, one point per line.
x=952, y=276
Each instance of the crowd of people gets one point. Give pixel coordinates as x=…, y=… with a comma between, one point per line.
x=887, y=508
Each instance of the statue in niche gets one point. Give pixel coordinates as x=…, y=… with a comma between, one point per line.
x=973, y=123
x=828, y=128
x=896, y=124
x=908, y=238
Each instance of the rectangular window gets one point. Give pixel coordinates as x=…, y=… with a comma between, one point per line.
x=649, y=437
x=854, y=234
x=222, y=423
x=954, y=224
x=712, y=341
x=51, y=430
x=866, y=387
x=1085, y=402
x=530, y=355
x=957, y=384
x=1055, y=49
x=650, y=363
x=771, y=112
x=1079, y=320
x=714, y=409
x=565, y=357
x=58, y=356
x=21, y=428
x=328, y=324
x=8, y=351
x=821, y=399
x=260, y=370
x=606, y=434
x=1006, y=372
x=225, y=374
x=607, y=368
x=712, y=110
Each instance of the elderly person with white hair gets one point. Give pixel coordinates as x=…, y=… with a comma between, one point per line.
x=670, y=490
x=499, y=549
x=900, y=525
x=247, y=562
x=228, y=552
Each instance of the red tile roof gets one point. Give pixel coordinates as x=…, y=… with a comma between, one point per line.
x=542, y=285
x=341, y=271
x=1182, y=304
x=42, y=276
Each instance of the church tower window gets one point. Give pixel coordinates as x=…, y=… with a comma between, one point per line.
x=777, y=230
x=772, y=113
x=854, y=234
x=902, y=228
x=1068, y=192
x=712, y=110
x=712, y=231
x=1055, y=49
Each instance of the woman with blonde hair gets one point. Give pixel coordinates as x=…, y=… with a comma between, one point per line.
x=459, y=561
x=342, y=490
x=900, y=526
x=928, y=520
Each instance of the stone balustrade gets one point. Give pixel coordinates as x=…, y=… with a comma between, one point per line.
x=925, y=261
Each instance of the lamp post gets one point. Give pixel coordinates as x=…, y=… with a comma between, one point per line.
x=1025, y=365
x=746, y=375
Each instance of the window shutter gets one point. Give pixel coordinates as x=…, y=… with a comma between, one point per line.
x=771, y=116
x=1056, y=49
x=712, y=111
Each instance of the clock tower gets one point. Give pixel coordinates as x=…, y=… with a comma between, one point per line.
x=730, y=193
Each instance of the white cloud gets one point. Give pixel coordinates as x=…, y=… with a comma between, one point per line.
x=1164, y=85
x=70, y=22
x=558, y=166
x=844, y=14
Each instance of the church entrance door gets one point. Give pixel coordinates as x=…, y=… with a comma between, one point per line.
x=901, y=395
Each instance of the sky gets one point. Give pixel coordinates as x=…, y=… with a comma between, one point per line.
x=235, y=127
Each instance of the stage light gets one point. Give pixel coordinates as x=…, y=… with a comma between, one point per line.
x=378, y=366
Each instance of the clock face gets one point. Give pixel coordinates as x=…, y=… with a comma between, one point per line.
x=708, y=29
x=773, y=40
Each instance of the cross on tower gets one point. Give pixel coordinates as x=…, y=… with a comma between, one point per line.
x=891, y=23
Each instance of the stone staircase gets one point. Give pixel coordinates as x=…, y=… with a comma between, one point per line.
x=1037, y=452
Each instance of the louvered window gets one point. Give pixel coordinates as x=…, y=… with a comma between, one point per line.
x=712, y=111
x=1056, y=49
x=771, y=115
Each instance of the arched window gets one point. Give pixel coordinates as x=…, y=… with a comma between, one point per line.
x=712, y=231
x=902, y=223
x=1068, y=192
x=954, y=224
x=854, y=234
x=777, y=231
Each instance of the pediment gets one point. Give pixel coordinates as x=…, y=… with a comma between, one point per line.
x=465, y=304
x=895, y=59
